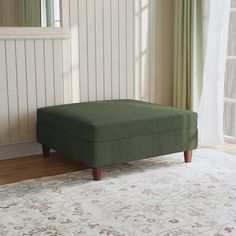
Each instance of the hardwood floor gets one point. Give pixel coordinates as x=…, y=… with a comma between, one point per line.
x=18, y=169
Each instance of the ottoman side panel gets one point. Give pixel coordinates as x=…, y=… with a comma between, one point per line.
x=101, y=154
x=120, y=151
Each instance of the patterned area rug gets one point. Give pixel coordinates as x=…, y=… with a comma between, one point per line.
x=158, y=196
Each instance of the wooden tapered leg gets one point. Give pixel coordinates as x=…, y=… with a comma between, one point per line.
x=97, y=173
x=188, y=156
x=46, y=151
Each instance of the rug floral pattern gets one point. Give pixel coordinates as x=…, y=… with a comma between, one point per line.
x=157, y=196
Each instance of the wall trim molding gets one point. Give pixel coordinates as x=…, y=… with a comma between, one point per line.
x=19, y=150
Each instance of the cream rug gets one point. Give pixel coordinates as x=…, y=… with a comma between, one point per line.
x=158, y=196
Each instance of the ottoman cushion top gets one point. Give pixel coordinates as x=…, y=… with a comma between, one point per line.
x=117, y=119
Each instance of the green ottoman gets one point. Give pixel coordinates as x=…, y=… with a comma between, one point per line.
x=104, y=133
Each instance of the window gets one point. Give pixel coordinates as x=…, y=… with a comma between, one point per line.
x=50, y=13
x=230, y=80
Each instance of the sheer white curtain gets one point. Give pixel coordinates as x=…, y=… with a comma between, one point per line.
x=211, y=104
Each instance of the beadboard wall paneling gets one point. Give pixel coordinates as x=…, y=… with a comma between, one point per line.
x=30, y=78
x=119, y=49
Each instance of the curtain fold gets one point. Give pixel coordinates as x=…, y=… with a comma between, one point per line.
x=198, y=54
x=211, y=104
x=47, y=11
x=188, y=53
x=32, y=13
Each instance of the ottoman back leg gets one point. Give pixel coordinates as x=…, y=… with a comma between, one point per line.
x=46, y=150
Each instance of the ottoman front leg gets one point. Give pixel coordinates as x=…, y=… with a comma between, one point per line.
x=46, y=150
x=97, y=173
x=188, y=156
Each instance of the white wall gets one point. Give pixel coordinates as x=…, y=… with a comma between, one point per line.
x=118, y=49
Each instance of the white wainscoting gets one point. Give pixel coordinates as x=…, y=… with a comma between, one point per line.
x=118, y=49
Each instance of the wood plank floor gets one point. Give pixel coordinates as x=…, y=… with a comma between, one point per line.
x=18, y=169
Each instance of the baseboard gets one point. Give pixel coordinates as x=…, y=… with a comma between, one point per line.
x=19, y=150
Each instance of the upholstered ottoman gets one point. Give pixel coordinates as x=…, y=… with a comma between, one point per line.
x=104, y=133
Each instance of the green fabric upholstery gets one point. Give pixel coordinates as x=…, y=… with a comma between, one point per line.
x=111, y=120
x=110, y=132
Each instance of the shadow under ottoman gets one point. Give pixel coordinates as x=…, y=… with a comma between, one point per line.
x=104, y=133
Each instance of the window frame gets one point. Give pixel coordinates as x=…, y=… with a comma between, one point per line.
x=41, y=32
x=230, y=100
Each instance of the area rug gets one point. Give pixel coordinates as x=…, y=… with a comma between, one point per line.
x=157, y=196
